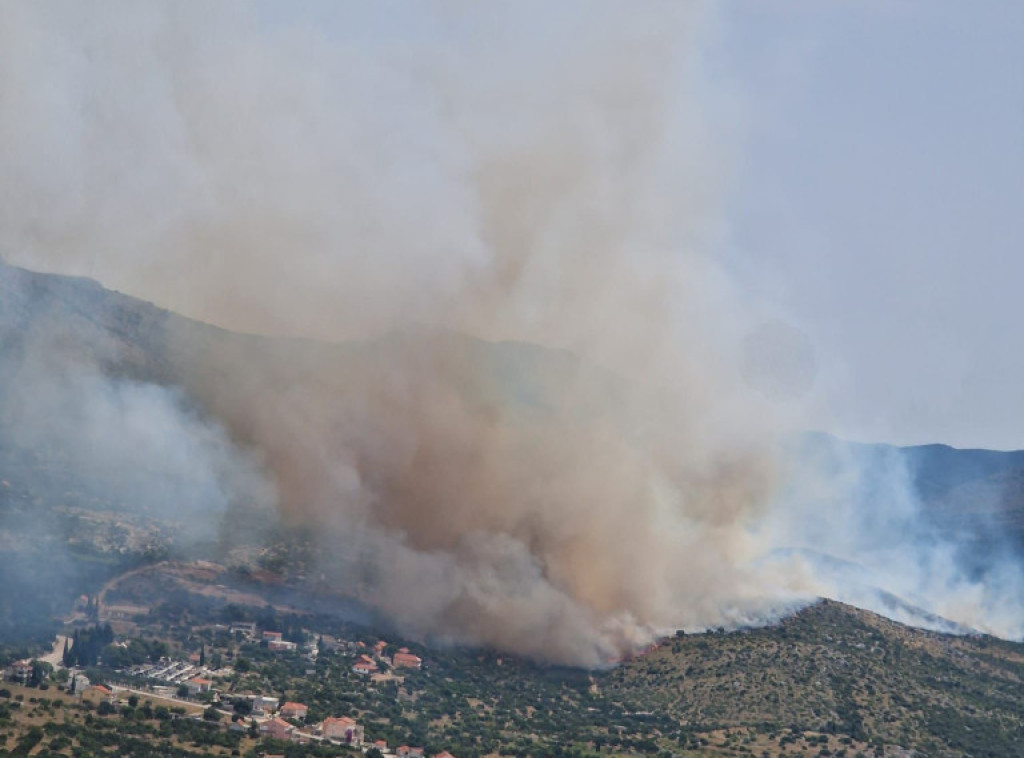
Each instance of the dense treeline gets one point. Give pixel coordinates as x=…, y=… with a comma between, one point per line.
x=87, y=645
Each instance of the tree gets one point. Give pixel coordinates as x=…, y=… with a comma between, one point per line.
x=202, y=655
x=211, y=714
x=66, y=658
x=157, y=650
x=41, y=670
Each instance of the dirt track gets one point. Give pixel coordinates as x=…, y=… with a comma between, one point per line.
x=56, y=656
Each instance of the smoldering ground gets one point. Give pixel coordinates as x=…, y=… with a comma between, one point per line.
x=400, y=186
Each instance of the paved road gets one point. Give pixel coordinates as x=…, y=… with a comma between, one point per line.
x=190, y=705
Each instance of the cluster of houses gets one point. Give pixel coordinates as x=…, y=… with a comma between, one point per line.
x=273, y=640
x=368, y=664
x=341, y=730
x=268, y=717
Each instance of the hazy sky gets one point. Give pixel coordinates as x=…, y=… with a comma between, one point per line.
x=870, y=155
x=876, y=195
x=880, y=198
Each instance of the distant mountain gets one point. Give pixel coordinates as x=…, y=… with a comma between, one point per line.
x=974, y=497
x=981, y=490
x=128, y=337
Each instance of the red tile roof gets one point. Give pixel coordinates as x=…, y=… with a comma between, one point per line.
x=340, y=721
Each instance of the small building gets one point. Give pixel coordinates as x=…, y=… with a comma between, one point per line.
x=97, y=694
x=405, y=659
x=444, y=754
x=293, y=711
x=196, y=685
x=345, y=729
x=272, y=636
x=20, y=671
x=409, y=752
x=281, y=645
x=263, y=703
x=365, y=665
x=276, y=728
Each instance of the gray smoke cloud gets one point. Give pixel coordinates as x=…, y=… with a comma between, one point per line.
x=856, y=527
x=136, y=446
x=525, y=174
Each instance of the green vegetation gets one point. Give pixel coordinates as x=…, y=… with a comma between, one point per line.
x=829, y=681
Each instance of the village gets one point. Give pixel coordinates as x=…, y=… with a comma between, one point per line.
x=192, y=687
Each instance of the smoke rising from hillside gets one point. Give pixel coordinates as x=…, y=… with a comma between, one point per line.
x=548, y=183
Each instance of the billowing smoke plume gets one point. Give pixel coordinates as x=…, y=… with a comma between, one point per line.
x=527, y=175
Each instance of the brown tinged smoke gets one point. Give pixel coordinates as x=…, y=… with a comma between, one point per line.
x=525, y=175
x=503, y=493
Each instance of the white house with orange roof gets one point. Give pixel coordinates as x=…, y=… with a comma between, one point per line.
x=197, y=684
x=276, y=728
x=404, y=659
x=97, y=694
x=343, y=728
x=365, y=665
x=20, y=671
x=293, y=711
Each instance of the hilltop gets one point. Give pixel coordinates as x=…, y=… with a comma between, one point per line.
x=837, y=670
